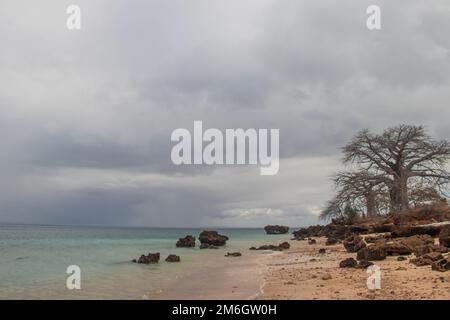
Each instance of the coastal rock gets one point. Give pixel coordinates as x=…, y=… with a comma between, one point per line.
x=382, y=228
x=377, y=238
x=364, y=264
x=371, y=253
x=414, y=242
x=354, y=243
x=280, y=247
x=312, y=241
x=150, y=258
x=173, y=258
x=444, y=236
x=427, y=259
x=322, y=251
x=441, y=265
x=311, y=231
x=396, y=249
x=212, y=238
x=408, y=231
x=428, y=248
x=284, y=245
x=188, y=241
x=348, y=263
x=276, y=229
x=331, y=241
x=401, y=258
x=233, y=254
x=433, y=256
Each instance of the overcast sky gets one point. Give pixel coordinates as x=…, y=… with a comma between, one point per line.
x=86, y=116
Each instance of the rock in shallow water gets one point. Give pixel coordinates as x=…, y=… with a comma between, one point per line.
x=188, y=241
x=276, y=229
x=173, y=258
x=212, y=238
x=150, y=258
x=233, y=254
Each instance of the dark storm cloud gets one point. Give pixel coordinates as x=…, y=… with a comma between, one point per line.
x=86, y=116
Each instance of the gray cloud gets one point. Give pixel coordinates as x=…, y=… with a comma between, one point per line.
x=86, y=117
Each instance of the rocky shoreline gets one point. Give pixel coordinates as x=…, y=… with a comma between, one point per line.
x=411, y=251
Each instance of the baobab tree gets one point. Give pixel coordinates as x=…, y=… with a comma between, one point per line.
x=399, y=154
x=360, y=191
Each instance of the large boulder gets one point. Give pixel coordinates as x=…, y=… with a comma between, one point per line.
x=276, y=229
x=212, y=238
x=354, y=243
x=371, y=253
x=150, y=258
x=188, y=241
x=444, y=236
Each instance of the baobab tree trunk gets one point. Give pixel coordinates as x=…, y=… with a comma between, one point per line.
x=399, y=193
x=370, y=204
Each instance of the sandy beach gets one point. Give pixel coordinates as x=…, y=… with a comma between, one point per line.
x=301, y=272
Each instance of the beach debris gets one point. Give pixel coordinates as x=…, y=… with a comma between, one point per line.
x=441, y=265
x=147, y=259
x=353, y=243
x=322, y=251
x=312, y=241
x=348, y=263
x=401, y=258
x=188, y=241
x=212, y=238
x=173, y=258
x=233, y=254
x=276, y=229
x=282, y=246
x=444, y=236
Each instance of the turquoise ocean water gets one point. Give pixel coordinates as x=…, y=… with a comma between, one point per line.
x=34, y=259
